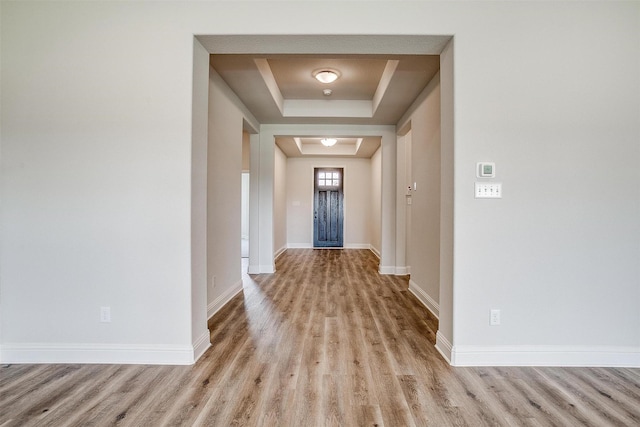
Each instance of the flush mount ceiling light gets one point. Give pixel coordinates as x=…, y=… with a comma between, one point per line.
x=328, y=142
x=326, y=75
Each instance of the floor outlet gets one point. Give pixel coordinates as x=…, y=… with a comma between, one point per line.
x=495, y=318
x=105, y=314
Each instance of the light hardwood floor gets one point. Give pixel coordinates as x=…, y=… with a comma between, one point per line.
x=325, y=341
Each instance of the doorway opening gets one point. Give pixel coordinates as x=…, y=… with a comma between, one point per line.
x=328, y=212
x=262, y=230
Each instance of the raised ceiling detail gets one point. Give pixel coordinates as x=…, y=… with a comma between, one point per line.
x=306, y=146
x=359, y=77
x=372, y=89
x=380, y=77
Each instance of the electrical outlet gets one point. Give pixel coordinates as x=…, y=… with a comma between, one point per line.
x=495, y=318
x=105, y=314
x=213, y=282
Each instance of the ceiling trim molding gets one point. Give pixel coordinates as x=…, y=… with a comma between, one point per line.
x=383, y=85
x=325, y=44
x=270, y=82
x=311, y=146
x=327, y=108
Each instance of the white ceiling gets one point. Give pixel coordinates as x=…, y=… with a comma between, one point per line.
x=373, y=89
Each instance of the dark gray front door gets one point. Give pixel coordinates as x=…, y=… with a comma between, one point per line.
x=328, y=212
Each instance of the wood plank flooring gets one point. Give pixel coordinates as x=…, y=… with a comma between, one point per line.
x=325, y=341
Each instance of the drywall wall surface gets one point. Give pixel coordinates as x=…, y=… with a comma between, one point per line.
x=96, y=185
x=224, y=191
x=388, y=203
x=447, y=193
x=244, y=229
x=280, y=201
x=199, y=148
x=254, y=200
x=357, y=192
x=403, y=214
x=375, y=204
x=425, y=203
x=96, y=164
x=264, y=174
x=558, y=253
x=246, y=152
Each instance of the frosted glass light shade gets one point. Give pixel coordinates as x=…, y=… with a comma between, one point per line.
x=328, y=142
x=326, y=75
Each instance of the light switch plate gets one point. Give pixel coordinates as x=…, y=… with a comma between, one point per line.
x=488, y=190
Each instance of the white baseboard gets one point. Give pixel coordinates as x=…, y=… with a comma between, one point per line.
x=346, y=246
x=268, y=269
x=299, y=246
x=403, y=271
x=201, y=345
x=526, y=355
x=375, y=251
x=261, y=269
x=357, y=246
x=214, y=306
x=125, y=354
x=387, y=269
x=280, y=252
x=444, y=347
x=426, y=300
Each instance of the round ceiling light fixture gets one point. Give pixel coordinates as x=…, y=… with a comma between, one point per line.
x=326, y=75
x=328, y=142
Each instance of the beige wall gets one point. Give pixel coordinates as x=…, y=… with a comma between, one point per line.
x=376, y=202
x=281, y=177
x=224, y=194
x=444, y=338
x=424, y=248
x=246, y=152
x=357, y=200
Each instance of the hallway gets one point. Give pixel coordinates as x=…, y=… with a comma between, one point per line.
x=325, y=340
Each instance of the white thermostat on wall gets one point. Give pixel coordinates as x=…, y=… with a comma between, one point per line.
x=486, y=170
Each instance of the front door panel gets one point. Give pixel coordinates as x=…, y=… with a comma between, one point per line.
x=328, y=211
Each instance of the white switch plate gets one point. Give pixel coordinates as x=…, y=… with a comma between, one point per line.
x=488, y=190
